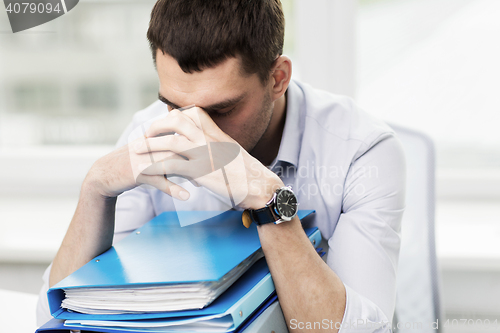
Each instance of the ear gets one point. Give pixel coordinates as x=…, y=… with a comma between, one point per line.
x=280, y=76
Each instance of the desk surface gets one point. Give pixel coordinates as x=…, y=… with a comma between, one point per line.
x=17, y=312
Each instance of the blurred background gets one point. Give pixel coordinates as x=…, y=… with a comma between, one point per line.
x=68, y=88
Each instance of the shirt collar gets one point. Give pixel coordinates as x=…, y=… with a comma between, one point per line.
x=292, y=133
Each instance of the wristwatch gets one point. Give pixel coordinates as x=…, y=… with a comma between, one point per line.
x=282, y=207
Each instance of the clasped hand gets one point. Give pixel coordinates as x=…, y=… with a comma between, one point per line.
x=190, y=145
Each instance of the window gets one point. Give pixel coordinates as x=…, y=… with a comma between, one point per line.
x=97, y=96
x=76, y=80
x=38, y=97
x=432, y=65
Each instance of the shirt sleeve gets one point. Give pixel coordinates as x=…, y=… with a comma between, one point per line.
x=364, y=249
x=133, y=209
x=42, y=306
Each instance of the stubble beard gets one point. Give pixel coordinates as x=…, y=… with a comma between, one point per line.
x=259, y=129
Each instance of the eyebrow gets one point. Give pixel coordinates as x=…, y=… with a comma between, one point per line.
x=211, y=108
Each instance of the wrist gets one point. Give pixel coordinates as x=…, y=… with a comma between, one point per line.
x=94, y=182
x=91, y=189
x=262, y=194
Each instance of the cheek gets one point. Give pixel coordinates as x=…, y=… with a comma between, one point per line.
x=230, y=125
x=237, y=125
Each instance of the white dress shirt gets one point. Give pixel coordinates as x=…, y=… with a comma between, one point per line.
x=347, y=166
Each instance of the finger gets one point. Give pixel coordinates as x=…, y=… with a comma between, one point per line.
x=164, y=185
x=169, y=166
x=189, y=179
x=193, y=113
x=197, y=115
x=176, y=122
x=175, y=143
x=159, y=156
x=139, y=162
x=206, y=123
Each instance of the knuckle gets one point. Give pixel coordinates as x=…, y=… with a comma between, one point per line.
x=154, y=127
x=175, y=121
x=174, y=112
x=192, y=111
x=172, y=140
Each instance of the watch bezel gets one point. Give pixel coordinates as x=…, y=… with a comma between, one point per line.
x=275, y=199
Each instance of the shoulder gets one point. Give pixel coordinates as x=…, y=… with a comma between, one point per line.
x=339, y=119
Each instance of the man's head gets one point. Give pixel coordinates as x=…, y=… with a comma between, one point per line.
x=225, y=57
x=201, y=34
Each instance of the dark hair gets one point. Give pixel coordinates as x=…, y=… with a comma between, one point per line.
x=201, y=34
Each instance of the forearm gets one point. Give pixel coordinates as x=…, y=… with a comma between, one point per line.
x=308, y=290
x=90, y=233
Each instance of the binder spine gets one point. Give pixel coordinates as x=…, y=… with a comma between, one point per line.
x=315, y=238
x=252, y=300
x=265, y=288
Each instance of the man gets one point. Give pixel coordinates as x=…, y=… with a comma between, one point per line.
x=225, y=57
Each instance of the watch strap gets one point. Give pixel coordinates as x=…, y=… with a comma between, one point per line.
x=263, y=215
x=258, y=216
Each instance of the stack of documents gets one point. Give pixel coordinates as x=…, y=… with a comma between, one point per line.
x=169, y=297
x=208, y=276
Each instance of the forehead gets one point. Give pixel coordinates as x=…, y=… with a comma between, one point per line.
x=224, y=81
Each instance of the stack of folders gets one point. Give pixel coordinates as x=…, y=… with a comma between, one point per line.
x=204, y=277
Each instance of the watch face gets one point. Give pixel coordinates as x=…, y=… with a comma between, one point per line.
x=286, y=204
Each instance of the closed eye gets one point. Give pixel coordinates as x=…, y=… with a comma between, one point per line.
x=214, y=113
x=222, y=114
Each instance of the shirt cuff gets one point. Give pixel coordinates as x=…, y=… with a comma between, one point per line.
x=362, y=316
